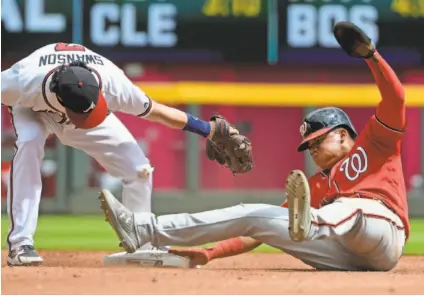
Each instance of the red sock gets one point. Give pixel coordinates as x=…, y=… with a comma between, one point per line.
x=229, y=247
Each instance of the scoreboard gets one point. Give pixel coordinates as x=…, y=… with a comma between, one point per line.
x=211, y=30
x=193, y=30
x=394, y=25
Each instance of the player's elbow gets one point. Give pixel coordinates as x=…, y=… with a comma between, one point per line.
x=9, y=87
x=8, y=97
x=157, y=113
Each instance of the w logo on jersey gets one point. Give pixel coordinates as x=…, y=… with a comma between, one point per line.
x=355, y=165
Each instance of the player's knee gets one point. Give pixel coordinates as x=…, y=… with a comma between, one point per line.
x=130, y=164
x=138, y=174
x=144, y=172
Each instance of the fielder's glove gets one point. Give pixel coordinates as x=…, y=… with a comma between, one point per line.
x=353, y=40
x=229, y=148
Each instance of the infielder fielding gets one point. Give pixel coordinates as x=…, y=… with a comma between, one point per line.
x=352, y=215
x=71, y=91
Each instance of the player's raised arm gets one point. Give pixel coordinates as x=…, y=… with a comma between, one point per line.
x=391, y=109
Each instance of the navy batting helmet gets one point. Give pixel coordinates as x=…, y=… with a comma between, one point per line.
x=321, y=121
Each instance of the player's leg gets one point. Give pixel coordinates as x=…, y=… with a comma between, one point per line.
x=114, y=147
x=267, y=223
x=24, y=189
x=367, y=228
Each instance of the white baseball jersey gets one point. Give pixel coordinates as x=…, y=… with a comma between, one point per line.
x=27, y=82
x=36, y=113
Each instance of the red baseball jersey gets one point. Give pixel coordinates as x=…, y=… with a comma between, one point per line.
x=372, y=169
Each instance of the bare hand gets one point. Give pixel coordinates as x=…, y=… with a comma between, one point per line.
x=197, y=256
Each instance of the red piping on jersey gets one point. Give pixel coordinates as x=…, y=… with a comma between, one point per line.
x=12, y=223
x=98, y=76
x=43, y=88
x=384, y=218
x=337, y=186
x=148, y=108
x=352, y=215
x=100, y=83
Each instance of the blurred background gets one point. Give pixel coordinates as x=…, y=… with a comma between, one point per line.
x=263, y=64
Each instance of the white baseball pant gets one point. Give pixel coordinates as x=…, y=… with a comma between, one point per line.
x=349, y=234
x=111, y=144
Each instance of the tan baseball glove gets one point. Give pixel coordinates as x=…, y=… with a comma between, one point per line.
x=229, y=148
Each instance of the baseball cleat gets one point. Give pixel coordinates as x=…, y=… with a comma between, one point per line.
x=299, y=201
x=24, y=256
x=121, y=219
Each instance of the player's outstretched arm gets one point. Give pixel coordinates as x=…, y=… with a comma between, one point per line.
x=224, y=144
x=223, y=249
x=391, y=109
x=175, y=118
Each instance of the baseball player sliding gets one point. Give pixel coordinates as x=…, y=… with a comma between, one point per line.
x=352, y=215
x=72, y=92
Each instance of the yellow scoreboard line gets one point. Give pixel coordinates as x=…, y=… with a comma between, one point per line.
x=263, y=94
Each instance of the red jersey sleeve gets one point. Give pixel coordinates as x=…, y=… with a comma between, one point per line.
x=387, y=140
x=389, y=123
x=390, y=117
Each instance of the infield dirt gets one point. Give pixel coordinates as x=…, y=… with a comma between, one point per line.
x=73, y=272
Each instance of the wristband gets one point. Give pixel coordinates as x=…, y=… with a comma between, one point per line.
x=197, y=126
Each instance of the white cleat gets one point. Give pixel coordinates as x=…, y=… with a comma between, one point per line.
x=299, y=201
x=24, y=256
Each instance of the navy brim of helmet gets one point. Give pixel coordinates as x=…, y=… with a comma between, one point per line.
x=92, y=119
x=305, y=145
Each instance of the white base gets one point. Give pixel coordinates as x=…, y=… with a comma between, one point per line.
x=147, y=258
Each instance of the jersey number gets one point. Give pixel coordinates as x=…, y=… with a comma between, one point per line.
x=355, y=165
x=68, y=47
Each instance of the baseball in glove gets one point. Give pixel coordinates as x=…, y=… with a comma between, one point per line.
x=229, y=148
